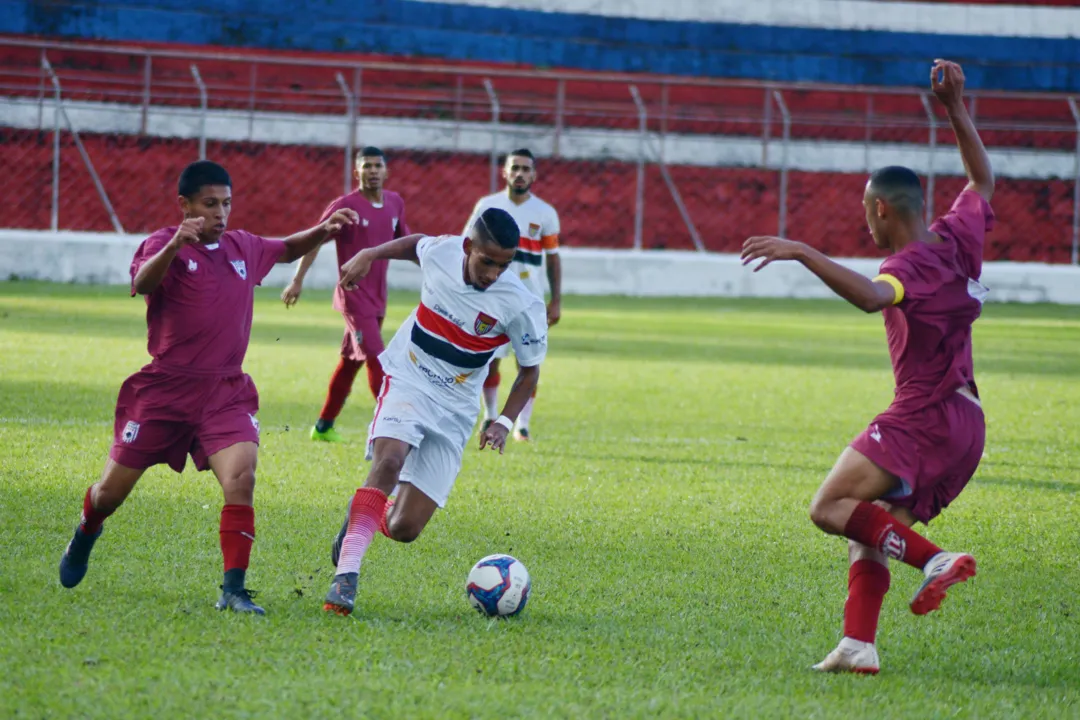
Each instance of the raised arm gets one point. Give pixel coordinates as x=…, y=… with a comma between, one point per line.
x=862, y=292
x=947, y=80
x=400, y=249
x=303, y=242
x=153, y=271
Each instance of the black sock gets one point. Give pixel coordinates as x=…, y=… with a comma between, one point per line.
x=323, y=425
x=234, y=579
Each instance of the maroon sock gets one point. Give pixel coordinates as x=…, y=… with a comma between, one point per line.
x=92, y=518
x=341, y=383
x=868, y=581
x=375, y=376
x=875, y=527
x=237, y=535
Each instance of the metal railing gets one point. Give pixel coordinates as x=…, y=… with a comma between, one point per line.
x=639, y=120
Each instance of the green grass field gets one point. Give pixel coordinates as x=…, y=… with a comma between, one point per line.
x=661, y=512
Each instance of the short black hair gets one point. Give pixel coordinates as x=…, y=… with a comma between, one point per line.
x=498, y=226
x=200, y=174
x=900, y=187
x=370, y=151
x=521, y=152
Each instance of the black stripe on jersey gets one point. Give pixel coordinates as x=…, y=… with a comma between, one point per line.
x=529, y=258
x=446, y=352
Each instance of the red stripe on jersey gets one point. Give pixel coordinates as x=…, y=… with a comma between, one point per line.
x=531, y=245
x=441, y=327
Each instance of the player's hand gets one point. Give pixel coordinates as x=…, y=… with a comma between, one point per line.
x=495, y=436
x=947, y=81
x=356, y=268
x=340, y=218
x=187, y=233
x=554, y=312
x=292, y=293
x=769, y=249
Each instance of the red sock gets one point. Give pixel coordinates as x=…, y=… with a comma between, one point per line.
x=868, y=581
x=237, y=535
x=341, y=383
x=875, y=527
x=492, y=380
x=91, y=517
x=367, y=515
x=383, y=527
x=375, y=376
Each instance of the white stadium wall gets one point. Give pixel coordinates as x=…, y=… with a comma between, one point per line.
x=99, y=258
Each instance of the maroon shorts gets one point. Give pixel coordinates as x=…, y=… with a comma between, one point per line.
x=363, y=337
x=162, y=417
x=934, y=452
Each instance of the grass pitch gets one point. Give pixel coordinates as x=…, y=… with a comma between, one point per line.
x=661, y=512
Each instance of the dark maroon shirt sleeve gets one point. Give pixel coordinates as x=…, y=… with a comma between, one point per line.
x=264, y=254
x=147, y=249
x=966, y=224
x=918, y=273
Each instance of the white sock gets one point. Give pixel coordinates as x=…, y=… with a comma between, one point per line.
x=491, y=400
x=525, y=414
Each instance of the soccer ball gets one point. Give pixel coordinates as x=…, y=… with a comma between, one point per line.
x=498, y=586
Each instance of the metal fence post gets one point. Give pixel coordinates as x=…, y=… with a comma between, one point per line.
x=147, y=70
x=252, y=87
x=202, y=108
x=560, y=110
x=350, y=131
x=782, y=225
x=932, y=119
x=639, y=198
x=54, y=216
x=493, y=98
x=766, y=128
x=1076, y=186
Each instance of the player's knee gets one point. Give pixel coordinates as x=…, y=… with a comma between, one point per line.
x=819, y=514
x=387, y=468
x=403, y=529
x=240, y=487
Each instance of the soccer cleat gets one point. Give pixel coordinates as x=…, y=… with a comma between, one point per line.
x=522, y=434
x=335, y=547
x=851, y=656
x=329, y=435
x=942, y=572
x=76, y=557
x=342, y=595
x=485, y=425
x=239, y=601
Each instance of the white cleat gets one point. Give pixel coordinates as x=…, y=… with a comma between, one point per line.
x=851, y=656
x=942, y=572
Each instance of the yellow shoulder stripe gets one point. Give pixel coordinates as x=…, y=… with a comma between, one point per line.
x=897, y=286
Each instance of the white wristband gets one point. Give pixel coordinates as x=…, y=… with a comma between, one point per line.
x=505, y=422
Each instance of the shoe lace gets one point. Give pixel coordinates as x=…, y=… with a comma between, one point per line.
x=242, y=593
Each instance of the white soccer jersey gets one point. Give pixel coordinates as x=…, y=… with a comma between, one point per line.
x=538, y=226
x=447, y=342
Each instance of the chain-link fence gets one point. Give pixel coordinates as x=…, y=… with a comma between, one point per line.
x=94, y=139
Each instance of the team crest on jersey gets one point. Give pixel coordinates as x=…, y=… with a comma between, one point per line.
x=483, y=324
x=534, y=230
x=192, y=266
x=240, y=267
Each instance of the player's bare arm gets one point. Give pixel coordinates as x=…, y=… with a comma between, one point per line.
x=554, y=274
x=400, y=249
x=522, y=389
x=153, y=271
x=947, y=81
x=300, y=244
x=292, y=291
x=862, y=292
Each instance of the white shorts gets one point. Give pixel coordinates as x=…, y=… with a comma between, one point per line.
x=437, y=434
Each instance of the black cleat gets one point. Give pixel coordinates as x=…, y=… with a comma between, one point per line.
x=342, y=596
x=76, y=557
x=239, y=600
x=335, y=547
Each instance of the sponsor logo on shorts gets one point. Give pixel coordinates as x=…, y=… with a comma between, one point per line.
x=359, y=335
x=240, y=267
x=893, y=545
x=875, y=433
x=390, y=419
x=483, y=323
x=192, y=266
x=131, y=431
x=255, y=424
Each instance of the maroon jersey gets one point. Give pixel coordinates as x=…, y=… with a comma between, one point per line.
x=929, y=329
x=199, y=318
x=378, y=224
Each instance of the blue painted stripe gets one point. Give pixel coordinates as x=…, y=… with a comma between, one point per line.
x=463, y=32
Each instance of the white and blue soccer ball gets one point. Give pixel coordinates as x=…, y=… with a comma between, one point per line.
x=498, y=586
